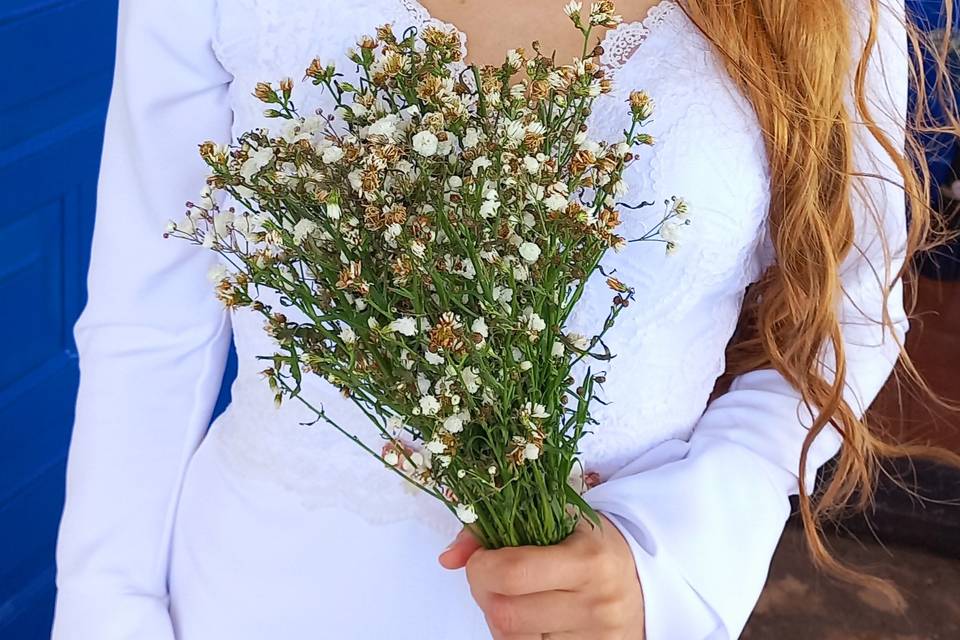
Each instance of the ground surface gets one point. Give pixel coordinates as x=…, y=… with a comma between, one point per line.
x=799, y=604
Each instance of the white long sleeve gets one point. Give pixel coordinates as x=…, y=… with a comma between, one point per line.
x=152, y=338
x=703, y=517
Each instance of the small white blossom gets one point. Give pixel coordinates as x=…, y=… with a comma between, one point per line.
x=217, y=273
x=406, y=326
x=347, y=335
x=479, y=164
x=385, y=126
x=255, y=162
x=436, y=447
x=489, y=208
x=429, y=405
x=425, y=143
x=573, y=8
x=470, y=138
x=557, y=350
x=433, y=358
x=556, y=202
x=526, y=365
x=391, y=458
x=534, y=322
x=531, y=451
x=531, y=164
x=454, y=423
x=302, y=229
x=479, y=326
x=529, y=252
x=331, y=155
x=471, y=379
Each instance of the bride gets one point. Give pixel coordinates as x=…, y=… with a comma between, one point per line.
x=782, y=123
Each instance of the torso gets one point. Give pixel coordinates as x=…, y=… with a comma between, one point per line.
x=669, y=346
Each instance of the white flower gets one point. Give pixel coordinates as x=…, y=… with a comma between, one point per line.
x=579, y=342
x=255, y=162
x=406, y=326
x=531, y=164
x=302, y=229
x=425, y=143
x=347, y=335
x=423, y=384
x=534, y=322
x=223, y=222
x=453, y=424
x=526, y=365
x=557, y=350
x=385, y=126
x=466, y=513
x=418, y=249
x=489, y=208
x=395, y=423
x=331, y=154
x=470, y=138
x=471, y=380
x=514, y=131
x=429, y=405
x=529, y=252
x=333, y=211
x=514, y=59
x=433, y=358
x=556, y=202
x=480, y=163
x=535, y=410
x=520, y=272
x=187, y=225
x=573, y=8
x=436, y=447
x=480, y=326
x=217, y=273
x=531, y=451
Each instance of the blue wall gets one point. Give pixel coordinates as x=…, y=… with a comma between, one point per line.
x=53, y=98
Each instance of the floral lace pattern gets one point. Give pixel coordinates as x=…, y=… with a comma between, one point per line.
x=669, y=345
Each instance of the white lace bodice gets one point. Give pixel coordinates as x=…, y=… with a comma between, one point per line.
x=669, y=345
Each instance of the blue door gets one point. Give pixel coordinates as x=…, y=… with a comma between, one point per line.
x=57, y=65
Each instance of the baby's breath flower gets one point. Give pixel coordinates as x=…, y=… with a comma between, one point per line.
x=573, y=8
x=529, y=252
x=425, y=143
x=303, y=228
x=430, y=406
x=404, y=326
x=471, y=138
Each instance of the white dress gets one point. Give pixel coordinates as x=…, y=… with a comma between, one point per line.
x=263, y=528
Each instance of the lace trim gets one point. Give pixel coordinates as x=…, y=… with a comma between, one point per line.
x=619, y=44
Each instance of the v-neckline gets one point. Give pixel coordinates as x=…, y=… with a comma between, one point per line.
x=615, y=56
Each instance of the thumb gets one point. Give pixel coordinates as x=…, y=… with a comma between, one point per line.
x=463, y=546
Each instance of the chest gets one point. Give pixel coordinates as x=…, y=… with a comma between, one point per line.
x=495, y=26
x=708, y=148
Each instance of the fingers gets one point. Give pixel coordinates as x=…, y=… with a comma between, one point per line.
x=524, y=570
x=533, y=614
x=458, y=553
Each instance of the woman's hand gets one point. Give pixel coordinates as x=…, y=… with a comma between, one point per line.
x=584, y=588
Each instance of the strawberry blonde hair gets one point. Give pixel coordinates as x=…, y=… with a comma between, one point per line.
x=789, y=57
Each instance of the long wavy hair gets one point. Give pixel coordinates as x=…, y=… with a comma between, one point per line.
x=787, y=56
